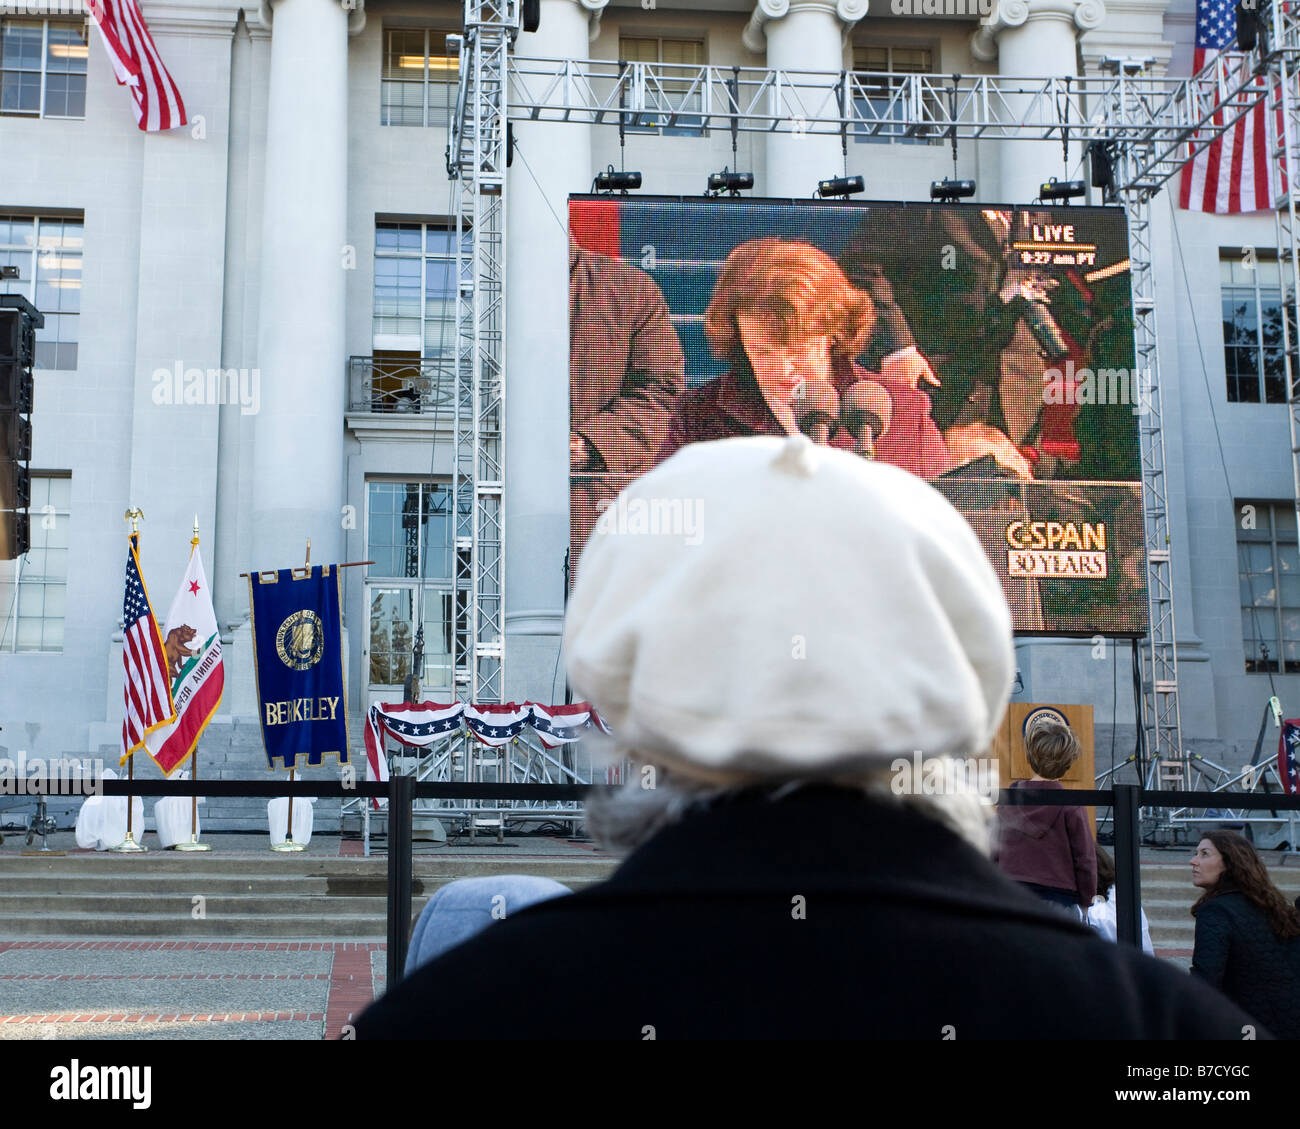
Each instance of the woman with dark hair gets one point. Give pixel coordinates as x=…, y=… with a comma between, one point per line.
x=789, y=322
x=1247, y=935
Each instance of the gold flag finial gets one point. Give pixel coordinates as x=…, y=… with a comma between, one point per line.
x=134, y=516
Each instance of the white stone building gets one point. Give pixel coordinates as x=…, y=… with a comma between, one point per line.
x=298, y=232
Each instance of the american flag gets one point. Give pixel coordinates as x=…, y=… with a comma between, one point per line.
x=1232, y=174
x=137, y=64
x=147, y=691
x=1288, y=756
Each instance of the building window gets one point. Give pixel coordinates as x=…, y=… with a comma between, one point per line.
x=420, y=78
x=43, y=68
x=878, y=97
x=681, y=85
x=34, y=588
x=47, y=253
x=415, y=293
x=409, y=537
x=1269, y=572
x=1252, y=330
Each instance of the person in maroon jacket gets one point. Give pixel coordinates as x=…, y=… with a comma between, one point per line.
x=788, y=320
x=626, y=366
x=1049, y=850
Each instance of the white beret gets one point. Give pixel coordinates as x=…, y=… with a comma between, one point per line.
x=763, y=608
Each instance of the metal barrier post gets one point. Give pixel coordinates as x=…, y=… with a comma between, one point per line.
x=401, y=792
x=1128, y=873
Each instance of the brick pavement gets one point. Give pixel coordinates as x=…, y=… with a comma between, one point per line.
x=185, y=989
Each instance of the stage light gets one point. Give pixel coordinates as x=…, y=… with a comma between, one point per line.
x=840, y=186
x=611, y=181
x=1061, y=189
x=1247, y=25
x=948, y=191
x=8, y=271
x=727, y=181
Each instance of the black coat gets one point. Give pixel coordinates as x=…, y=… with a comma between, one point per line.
x=819, y=915
x=1238, y=952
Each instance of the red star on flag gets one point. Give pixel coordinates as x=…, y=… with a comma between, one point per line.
x=194, y=587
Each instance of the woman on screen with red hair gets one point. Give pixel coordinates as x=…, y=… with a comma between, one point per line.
x=790, y=323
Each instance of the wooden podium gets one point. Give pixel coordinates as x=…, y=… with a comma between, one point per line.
x=1009, y=745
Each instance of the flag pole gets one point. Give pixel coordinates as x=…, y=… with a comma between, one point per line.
x=129, y=845
x=194, y=844
x=289, y=844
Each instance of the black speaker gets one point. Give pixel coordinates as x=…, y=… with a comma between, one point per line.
x=1247, y=26
x=15, y=486
x=16, y=432
x=11, y=337
x=15, y=388
x=532, y=14
x=15, y=535
x=1103, y=171
x=510, y=144
x=17, y=339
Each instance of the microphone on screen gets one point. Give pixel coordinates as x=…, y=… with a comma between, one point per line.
x=816, y=409
x=866, y=411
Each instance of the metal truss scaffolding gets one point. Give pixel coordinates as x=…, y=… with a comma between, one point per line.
x=476, y=160
x=1150, y=125
x=1284, y=120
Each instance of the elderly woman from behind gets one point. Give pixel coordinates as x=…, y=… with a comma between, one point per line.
x=839, y=614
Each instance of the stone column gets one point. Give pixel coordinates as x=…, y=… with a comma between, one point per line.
x=298, y=487
x=236, y=423
x=537, y=361
x=803, y=35
x=1032, y=38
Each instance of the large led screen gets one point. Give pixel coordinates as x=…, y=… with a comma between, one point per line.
x=987, y=350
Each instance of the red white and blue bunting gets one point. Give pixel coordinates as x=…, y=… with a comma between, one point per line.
x=425, y=724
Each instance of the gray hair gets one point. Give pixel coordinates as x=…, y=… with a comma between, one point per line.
x=620, y=820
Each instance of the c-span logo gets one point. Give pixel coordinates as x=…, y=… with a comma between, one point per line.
x=300, y=642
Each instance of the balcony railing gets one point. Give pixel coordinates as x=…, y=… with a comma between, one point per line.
x=397, y=387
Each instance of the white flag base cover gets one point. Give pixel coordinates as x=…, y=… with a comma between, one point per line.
x=171, y=816
x=101, y=822
x=277, y=816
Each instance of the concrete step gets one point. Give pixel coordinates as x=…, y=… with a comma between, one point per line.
x=223, y=927
x=1167, y=911
x=111, y=905
x=445, y=867
x=254, y=896
x=336, y=889
x=1286, y=877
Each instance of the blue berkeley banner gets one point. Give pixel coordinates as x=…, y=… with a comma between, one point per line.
x=298, y=651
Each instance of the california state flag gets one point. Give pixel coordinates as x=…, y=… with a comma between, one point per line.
x=193, y=648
